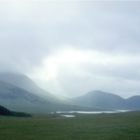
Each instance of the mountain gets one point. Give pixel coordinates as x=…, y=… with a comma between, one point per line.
x=133, y=103
x=16, y=98
x=100, y=99
x=106, y=100
x=19, y=93
x=24, y=82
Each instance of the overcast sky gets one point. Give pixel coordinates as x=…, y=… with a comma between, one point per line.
x=73, y=47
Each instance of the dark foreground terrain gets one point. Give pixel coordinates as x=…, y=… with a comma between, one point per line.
x=122, y=126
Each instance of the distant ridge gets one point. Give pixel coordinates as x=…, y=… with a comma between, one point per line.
x=20, y=93
x=24, y=82
x=107, y=100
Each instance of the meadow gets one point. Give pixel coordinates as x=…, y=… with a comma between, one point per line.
x=120, y=126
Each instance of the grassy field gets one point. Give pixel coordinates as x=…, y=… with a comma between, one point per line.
x=123, y=126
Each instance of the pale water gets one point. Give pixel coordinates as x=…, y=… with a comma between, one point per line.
x=70, y=114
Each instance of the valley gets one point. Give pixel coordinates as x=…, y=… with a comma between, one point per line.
x=122, y=126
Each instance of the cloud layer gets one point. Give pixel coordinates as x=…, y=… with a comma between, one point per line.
x=32, y=31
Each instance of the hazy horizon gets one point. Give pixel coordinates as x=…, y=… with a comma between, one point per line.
x=73, y=47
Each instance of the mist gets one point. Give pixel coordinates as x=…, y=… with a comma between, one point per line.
x=103, y=35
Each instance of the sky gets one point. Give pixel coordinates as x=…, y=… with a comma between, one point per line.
x=72, y=47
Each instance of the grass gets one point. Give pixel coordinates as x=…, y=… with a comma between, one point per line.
x=122, y=126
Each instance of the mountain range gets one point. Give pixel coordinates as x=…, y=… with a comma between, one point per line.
x=107, y=101
x=19, y=93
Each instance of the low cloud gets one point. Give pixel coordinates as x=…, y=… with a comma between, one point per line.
x=32, y=31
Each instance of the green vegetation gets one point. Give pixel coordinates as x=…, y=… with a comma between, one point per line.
x=122, y=126
x=6, y=112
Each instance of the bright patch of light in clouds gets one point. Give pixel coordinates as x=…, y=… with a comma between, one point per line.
x=80, y=64
x=71, y=47
x=74, y=58
x=63, y=58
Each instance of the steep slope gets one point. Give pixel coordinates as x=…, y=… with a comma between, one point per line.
x=100, y=99
x=19, y=99
x=24, y=82
x=133, y=103
x=6, y=112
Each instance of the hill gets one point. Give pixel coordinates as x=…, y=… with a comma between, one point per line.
x=24, y=82
x=18, y=99
x=107, y=101
x=6, y=112
x=133, y=103
x=100, y=99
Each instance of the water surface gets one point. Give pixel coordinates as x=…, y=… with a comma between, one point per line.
x=90, y=112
